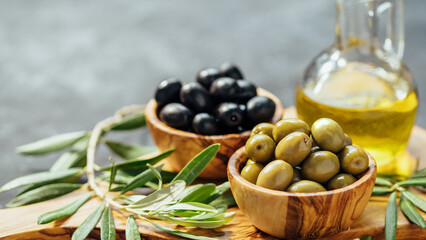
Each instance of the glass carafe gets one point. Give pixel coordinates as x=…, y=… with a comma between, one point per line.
x=361, y=82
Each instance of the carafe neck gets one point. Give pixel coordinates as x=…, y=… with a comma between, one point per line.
x=356, y=24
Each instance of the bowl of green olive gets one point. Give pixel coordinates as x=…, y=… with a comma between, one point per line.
x=221, y=106
x=299, y=182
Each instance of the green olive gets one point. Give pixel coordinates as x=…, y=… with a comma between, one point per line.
x=306, y=186
x=251, y=171
x=314, y=144
x=260, y=148
x=249, y=161
x=354, y=159
x=320, y=166
x=276, y=175
x=293, y=148
x=287, y=126
x=348, y=140
x=328, y=135
x=263, y=128
x=340, y=180
x=297, y=175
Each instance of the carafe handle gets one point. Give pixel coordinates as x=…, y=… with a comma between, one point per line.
x=393, y=41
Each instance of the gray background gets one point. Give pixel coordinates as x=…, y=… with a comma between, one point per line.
x=64, y=65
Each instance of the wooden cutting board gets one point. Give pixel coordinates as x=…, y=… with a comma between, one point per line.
x=21, y=223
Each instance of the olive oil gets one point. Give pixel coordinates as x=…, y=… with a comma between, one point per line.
x=376, y=108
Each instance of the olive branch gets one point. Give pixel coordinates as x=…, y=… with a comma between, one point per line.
x=198, y=205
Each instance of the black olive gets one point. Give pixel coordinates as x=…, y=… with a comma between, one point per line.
x=168, y=91
x=224, y=89
x=260, y=109
x=195, y=97
x=231, y=70
x=205, y=124
x=246, y=90
x=206, y=76
x=176, y=115
x=230, y=114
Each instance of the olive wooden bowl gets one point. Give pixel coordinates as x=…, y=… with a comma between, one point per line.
x=300, y=215
x=187, y=145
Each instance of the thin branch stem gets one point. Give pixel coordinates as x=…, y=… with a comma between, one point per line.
x=101, y=127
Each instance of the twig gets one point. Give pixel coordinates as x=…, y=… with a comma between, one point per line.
x=102, y=126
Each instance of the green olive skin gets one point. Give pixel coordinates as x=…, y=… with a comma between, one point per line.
x=353, y=159
x=320, y=166
x=277, y=175
x=251, y=171
x=340, y=180
x=306, y=186
x=249, y=161
x=293, y=148
x=297, y=175
x=260, y=148
x=263, y=128
x=328, y=135
x=348, y=140
x=287, y=126
x=315, y=149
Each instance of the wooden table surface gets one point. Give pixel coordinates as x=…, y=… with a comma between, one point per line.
x=20, y=223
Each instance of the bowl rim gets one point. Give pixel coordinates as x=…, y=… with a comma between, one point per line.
x=233, y=171
x=151, y=117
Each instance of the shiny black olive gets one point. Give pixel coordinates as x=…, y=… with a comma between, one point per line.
x=230, y=114
x=195, y=97
x=224, y=89
x=260, y=109
x=205, y=124
x=206, y=76
x=231, y=70
x=246, y=91
x=168, y=91
x=176, y=115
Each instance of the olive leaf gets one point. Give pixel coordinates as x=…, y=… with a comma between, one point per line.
x=219, y=191
x=89, y=223
x=160, y=197
x=140, y=180
x=130, y=122
x=193, y=168
x=128, y=151
x=418, y=202
x=176, y=232
x=51, y=144
x=410, y=211
x=391, y=218
x=65, y=211
x=157, y=175
x=113, y=172
x=380, y=191
x=43, y=193
x=189, y=206
x=107, y=225
x=420, y=173
x=120, y=177
x=419, y=181
x=204, y=223
x=140, y=163
x=73, y=158
x=132, y=231
x=198, y=193
x=383, y=181
x=40, y=178
x=225, y=199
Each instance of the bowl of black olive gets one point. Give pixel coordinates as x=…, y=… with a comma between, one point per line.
x=219, y=107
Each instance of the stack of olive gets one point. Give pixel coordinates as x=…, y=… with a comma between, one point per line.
x=290, y=156
x=219, y=102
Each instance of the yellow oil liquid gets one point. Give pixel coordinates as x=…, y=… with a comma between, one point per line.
x=376, y=109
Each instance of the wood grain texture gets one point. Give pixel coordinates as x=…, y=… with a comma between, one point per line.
x=300, y=216
x=187, y=144
x=21, y=223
